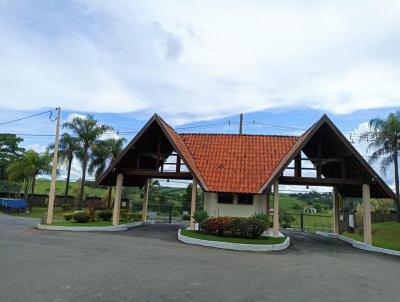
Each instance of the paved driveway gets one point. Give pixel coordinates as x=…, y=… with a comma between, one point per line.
x=149, y=264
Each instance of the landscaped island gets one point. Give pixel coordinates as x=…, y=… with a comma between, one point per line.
x=234, y=233
x=261, y=240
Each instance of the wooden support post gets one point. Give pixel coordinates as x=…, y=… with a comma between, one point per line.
x=145, y=199
x=267, y=202
x=52, y=193
x=367, y=214
x=276, y=209
x=335, y=210
x=193, y=203
x=117, y=201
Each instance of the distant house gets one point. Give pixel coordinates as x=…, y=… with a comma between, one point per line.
x=238, y=173
x=310, y=210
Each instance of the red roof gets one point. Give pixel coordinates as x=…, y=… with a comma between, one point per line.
x=237, y=163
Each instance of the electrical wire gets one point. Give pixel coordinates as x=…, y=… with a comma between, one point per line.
x=26, y=117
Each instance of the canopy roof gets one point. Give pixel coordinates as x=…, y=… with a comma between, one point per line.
x=244, y=163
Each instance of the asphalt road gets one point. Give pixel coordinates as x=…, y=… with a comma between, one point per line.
x=149, y=264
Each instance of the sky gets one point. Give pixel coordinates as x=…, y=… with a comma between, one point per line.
x=199, y=62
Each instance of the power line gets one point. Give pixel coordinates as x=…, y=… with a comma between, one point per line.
x=26, y=117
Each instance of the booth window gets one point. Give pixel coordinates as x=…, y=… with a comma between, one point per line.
x=245, y=199
x=225, y=198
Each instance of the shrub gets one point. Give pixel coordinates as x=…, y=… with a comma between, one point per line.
x=131, y=216
x=262, y=217
x=105, y=215
x=66, y=207
x=234, y=227
x=92, y=206
x=81, y=217
x=286, y=219
x=68, y=216
x=199, y=216
x=185, y=217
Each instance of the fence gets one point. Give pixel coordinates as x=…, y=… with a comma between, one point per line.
x=166, y=213
x=309, y=222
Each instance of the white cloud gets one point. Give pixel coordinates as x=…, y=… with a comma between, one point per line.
x=192, y=60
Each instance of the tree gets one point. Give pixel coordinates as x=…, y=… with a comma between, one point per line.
x=103, y=154
x=88, y=131
x=384, y=138
x=9, y=151
x=25, y=169
x=67, y=148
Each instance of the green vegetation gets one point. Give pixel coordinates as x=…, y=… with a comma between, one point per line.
x=261, y=240
x=385, y=234
x=85, y=224
x=384, y=138
x=41, y=212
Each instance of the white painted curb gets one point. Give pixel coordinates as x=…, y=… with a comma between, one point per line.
x=360, y=245
x=111, y=228
x=235, y=246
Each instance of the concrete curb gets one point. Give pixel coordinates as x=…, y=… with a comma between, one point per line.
x=360, y=245
x=235, y=246
x=111, y=228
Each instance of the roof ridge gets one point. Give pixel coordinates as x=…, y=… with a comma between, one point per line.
x=232, y=134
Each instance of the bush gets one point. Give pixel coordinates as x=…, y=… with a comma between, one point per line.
x=286, y=219
x=234, y=227
x=68, y=216
x=81, y=217
x=131, y=217
x=199, y=216
x=66, y=207
x=186, y=217
x=105, y=215
x=262, y=217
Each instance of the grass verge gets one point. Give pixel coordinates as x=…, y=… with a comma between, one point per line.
x=86, y=224
x=384, y=234
x=39, y=213
x=202, y=236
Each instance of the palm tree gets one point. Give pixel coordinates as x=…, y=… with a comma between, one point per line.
x=26, y=168
x=67, y=148
x=384, y=139
x=87, y=131
x=103, y=154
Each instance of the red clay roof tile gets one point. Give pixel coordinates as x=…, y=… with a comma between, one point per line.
x=236, y=163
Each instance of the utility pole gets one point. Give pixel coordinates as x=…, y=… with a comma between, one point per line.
x=241, y=124
x=52, y=193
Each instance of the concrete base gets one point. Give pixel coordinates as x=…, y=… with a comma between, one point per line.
x=360, y=245
x=111, y=228
x=270, y=233
x=235, y=246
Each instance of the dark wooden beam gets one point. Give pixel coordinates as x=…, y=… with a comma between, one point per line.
x=319, y=162
x=297, y=165
x=178, y=163
x=311, y=181
x=157, y=174
x=158, y=151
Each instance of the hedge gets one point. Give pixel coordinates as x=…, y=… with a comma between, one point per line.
x=81, y=217
x=233, y=227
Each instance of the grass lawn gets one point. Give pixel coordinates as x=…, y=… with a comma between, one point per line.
x=40, y=212
x=262, y=240
x=385, y=234
x=87, y=224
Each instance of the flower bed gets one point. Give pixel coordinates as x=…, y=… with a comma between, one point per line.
x=237, y=227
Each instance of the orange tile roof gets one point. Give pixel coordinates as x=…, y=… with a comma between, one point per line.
x=236, y=163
